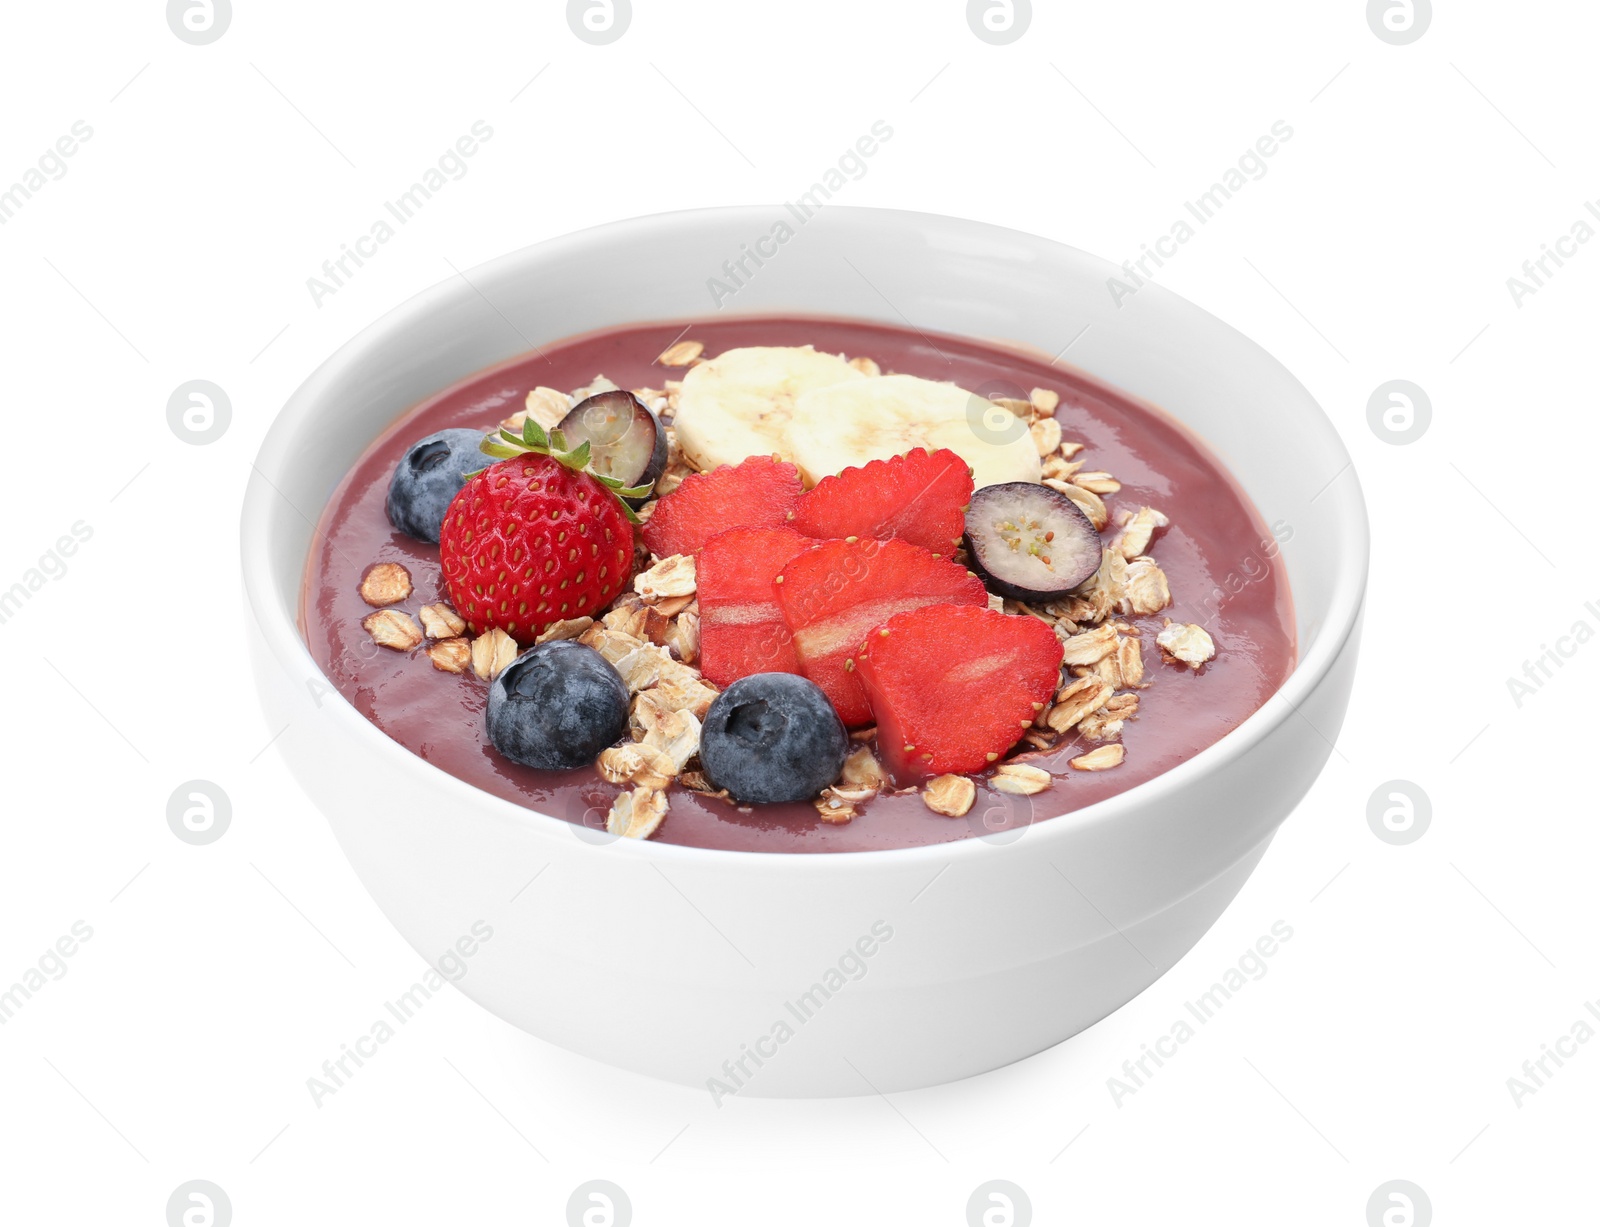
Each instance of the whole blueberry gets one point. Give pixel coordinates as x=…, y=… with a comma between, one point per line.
x=773, y=737
x=428, y=477
x=557, y=706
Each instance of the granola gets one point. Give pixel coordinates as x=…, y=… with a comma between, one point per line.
x=669, y=577
x=1144, y=588
x=390, y=628
x=682, y=636
x=1137, y=530
x=1081, y=698
x=492, y=652
x=545, y=406
x=1046, y=434
x=862, y=770
x=441, y=622
x=1102, y=759
x=1093, y=505
x=569, y=628
x=950, y=795
x=1098, y=483
x=834, y=809
x=1186, y=643
x=1023, y=779
x=638, y=813
x=450, y=655
x=681, y=354
x=385, y=583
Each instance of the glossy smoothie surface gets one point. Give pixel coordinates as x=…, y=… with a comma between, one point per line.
x=1220, y=558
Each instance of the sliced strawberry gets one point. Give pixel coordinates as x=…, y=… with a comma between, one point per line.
x=953, y=688
x=917, y=497
x=742, y=630
x=835, y=594
x=759, y=492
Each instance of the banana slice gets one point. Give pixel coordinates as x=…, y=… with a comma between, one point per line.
x=849, y=423
x=739, y=403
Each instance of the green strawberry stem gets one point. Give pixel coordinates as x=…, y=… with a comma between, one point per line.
x=505, y=445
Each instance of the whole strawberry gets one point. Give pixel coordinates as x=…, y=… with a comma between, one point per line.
x=536, y=538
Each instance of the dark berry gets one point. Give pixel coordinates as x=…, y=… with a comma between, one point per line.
x=625, y=439
x=773, y=737
x=557, y=706
x=1029, y=542
x=428, y=477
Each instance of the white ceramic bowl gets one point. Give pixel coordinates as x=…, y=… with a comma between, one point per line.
x=688, y=963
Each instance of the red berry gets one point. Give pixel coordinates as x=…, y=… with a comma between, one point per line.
x=917, y=497
x=953, y=688
x=834, y=595
x=742, y=630
x=528, y=542
x=758, y=492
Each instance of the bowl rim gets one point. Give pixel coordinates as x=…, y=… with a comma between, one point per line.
x=287, y=646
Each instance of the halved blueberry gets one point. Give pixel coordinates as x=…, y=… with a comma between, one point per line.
x=626, y=441
x=1029, y=542
x=428, y=476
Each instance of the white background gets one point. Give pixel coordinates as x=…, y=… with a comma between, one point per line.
x=219, y=978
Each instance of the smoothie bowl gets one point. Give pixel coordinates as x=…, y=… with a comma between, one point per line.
x=861, y=685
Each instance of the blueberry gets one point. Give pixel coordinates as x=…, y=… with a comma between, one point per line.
x=428, y=477
x=557, y=706
x=1029, y=542
x=773, y=737
x=625, y=439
